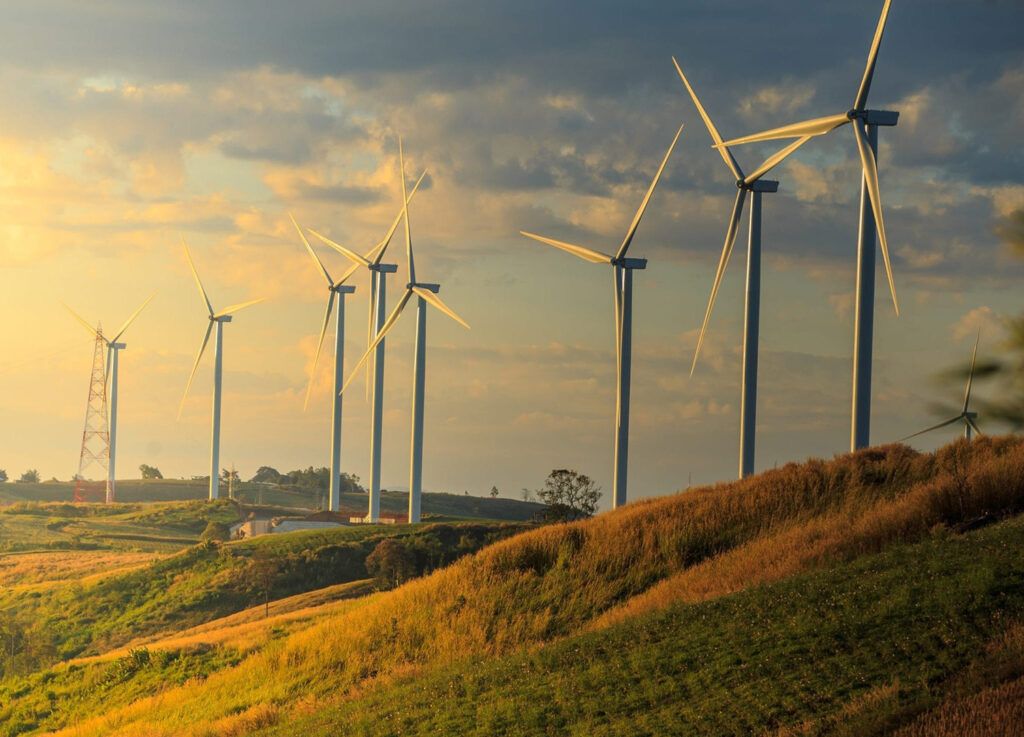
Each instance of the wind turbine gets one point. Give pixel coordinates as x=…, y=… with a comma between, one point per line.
x=426, y=294
x=966, y=416
x=750, y=183
x=216, y=319
x=865, y=124
x=623, y=268
x=336, y=290
x=378, y=302
x=113, y=349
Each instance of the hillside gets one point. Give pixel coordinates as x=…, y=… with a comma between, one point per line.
x=134, y=491
x=851, y=596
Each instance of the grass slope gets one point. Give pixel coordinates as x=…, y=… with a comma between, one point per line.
x=206, y=582
x=651, y=606
x=884, y=633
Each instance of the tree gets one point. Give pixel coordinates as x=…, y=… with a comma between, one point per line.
x=218, y=531
x=527, y=495
x=569, y=495
x=391, y=564
x=266, y=475
x=3, y=476
x=150, y=472
x=494, y=492
x=260, y=575
x=30, y=476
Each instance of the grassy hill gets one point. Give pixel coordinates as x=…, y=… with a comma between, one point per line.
x=134, y=491
x=879, y=591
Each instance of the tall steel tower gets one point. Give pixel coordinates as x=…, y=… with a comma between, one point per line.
x=95, y=436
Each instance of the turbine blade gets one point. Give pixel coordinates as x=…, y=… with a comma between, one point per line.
x=647, y=198
x=974, y=425
x=188, y=255
x=726, y=154
x=346, y=252
x=383, y=245
x=814, y=127
x=587, y=254
x=869, y=70
x=385, y=328
x=723, y=262
x=131, y=319
x=405, y=210
x=435, y=301
x=92, y=331
x=312, y=253
x=235, y=308
x=319, y=345
x=867, y=158
x=934, y=427
x=970, y=376
x=775, y=159
x=199, y=356
x=347, y=275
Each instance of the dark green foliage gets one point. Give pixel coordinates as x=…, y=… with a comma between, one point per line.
x=391, y=564
x=30, y=476
x=568, y=495
x=215, y=530
x=150, y=472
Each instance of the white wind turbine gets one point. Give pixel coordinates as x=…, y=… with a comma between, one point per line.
x=967, y=417
x=623, y=268
x=754, y=184
x=378, y=302
x=865, y=125
x=337, y=290
x=113, y=349
x=426, y=294
x=216, y=319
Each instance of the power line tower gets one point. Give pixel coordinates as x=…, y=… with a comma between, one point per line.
x=95, y=436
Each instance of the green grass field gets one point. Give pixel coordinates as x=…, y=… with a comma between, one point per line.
x=877, y=592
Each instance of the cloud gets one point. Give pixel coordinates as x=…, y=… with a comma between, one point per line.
x=983, y=319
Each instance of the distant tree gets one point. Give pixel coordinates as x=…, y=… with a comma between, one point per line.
x=391, y=564
x=266, y=475
x=260, y=575
x=218, y=531
x=30, y=476
x=3, y=475
x=569, y=495
x=527, y=495
x=494, y=492
x=150, y=472
x=350, y=483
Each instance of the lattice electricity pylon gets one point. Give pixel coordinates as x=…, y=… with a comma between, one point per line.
x=95, y=436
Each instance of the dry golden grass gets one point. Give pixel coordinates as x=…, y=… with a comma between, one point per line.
x=994, y=712
x=247, y=630
x=38, y=569
x=557, y=580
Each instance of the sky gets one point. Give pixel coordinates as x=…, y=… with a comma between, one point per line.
x=129, y=126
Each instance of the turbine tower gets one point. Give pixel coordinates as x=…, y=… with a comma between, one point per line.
x=623, y=268
x=865, y=124
x=966, y=416
x=754, y=185
x=113, y=348
x=426, y=294
x=378, y=302
x=216, y=319
x=336, y=290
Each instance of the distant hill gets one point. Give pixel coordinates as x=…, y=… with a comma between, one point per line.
x=879, y=591
x=392, y=502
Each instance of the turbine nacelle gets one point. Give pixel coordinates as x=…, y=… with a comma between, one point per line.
x=435, y=288
x=637, y=264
